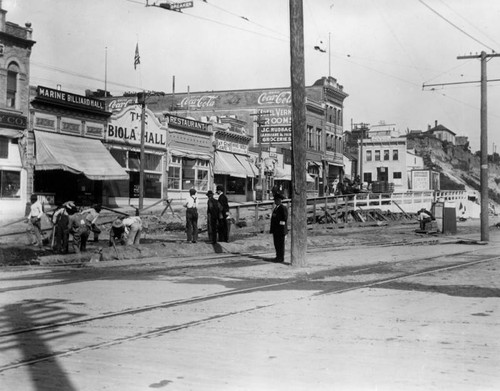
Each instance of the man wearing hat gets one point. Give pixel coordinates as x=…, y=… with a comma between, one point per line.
x=223, y=226
x=117, y=233
x=133, y=229
x=192, y=216
x=279, y=228
x=212, y=217
x=60, y=219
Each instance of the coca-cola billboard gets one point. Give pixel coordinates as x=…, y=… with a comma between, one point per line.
x=275, y=98
x=118, y=104
x=199, y=101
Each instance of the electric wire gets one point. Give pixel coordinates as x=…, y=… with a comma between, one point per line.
x=454, y=25
x=468, y=21
x=246, y=19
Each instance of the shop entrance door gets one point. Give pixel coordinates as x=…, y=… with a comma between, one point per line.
x=382, y=174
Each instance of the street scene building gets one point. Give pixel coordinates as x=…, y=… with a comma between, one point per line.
x=16, y=146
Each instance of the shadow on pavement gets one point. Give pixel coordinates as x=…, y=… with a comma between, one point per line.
x=45, y=371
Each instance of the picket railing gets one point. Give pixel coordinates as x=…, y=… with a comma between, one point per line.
x=407, y=202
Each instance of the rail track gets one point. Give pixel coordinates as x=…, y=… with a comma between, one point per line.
x=257, y=285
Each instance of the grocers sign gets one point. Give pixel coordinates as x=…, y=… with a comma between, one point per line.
x=125, y=127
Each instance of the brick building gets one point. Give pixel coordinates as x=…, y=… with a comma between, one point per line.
x=16, y=151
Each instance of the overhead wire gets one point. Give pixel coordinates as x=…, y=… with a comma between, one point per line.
x=454, y=25
x=469, y=22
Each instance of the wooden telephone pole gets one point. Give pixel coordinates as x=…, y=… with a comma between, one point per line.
x=299, y=188
x=485, y=235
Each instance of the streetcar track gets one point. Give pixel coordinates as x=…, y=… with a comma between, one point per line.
x=168, y=329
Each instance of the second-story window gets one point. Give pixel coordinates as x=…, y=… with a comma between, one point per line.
x=368, y=156
x=395, y=154
x=386, y=154
x=318, y=139
x=377, y=155
x=310, y=137
x=12, y=77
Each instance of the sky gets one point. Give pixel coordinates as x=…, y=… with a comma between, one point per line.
x=381, y=51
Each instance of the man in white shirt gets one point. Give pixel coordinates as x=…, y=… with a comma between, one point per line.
x=192, y=217
x=133, y=227
x=34, y=221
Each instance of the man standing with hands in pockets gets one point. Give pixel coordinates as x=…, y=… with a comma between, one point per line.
x=279, y=228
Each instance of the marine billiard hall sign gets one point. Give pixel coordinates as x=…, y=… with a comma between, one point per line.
x=67, y=98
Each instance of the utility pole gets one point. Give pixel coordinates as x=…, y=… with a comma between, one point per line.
x=485, y=235
x=299, y=188
x=363, y=127
x=141, y=97
x=260, y=121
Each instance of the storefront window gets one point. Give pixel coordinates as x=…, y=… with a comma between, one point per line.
x=185, y=173
x=152, y=162
x=120, y=156
x=174, y=178
x=188, y=174
x=4, y=148
x=152, y=185
x=134, y=160
x=235, y=185
x=202, y=180
x=10, y=184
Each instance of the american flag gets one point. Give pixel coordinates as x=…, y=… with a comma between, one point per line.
x=137, y=58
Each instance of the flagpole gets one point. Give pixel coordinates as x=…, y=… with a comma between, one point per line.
x=105, y=71
x=329, y=58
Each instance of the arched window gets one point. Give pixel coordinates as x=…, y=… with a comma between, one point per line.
x=12, y=77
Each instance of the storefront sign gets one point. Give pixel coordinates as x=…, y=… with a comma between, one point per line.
x=69, y=98
x=13, y=121
x=228, y=146
x=119, y=104
x=125, y=127
x=275, y=98
x=420, y=180
x=275, y=134
x=199, y=101
x=185, y=123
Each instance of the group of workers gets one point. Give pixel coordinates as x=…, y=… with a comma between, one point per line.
x=68, y=220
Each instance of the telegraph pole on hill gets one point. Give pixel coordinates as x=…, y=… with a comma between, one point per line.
x=485, y=235
x=299, y=189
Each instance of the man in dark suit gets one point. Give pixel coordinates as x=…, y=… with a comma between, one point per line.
x=223, y=213
x=279, y=227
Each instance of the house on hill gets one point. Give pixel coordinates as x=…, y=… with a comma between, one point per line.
x=442, y=133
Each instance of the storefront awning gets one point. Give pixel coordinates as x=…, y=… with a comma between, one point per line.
x=190, y=154
x=249, y=167
x=10, y=133
x=78, y=155
x=227, y=164
x=285, y=174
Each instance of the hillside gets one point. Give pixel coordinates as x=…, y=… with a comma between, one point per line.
x=459, y=168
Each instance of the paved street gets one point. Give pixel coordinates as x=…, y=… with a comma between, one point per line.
x=407, y=317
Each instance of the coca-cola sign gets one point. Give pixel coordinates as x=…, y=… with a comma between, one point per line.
x=120, y=103
x=275, y=98
x=199, y=101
